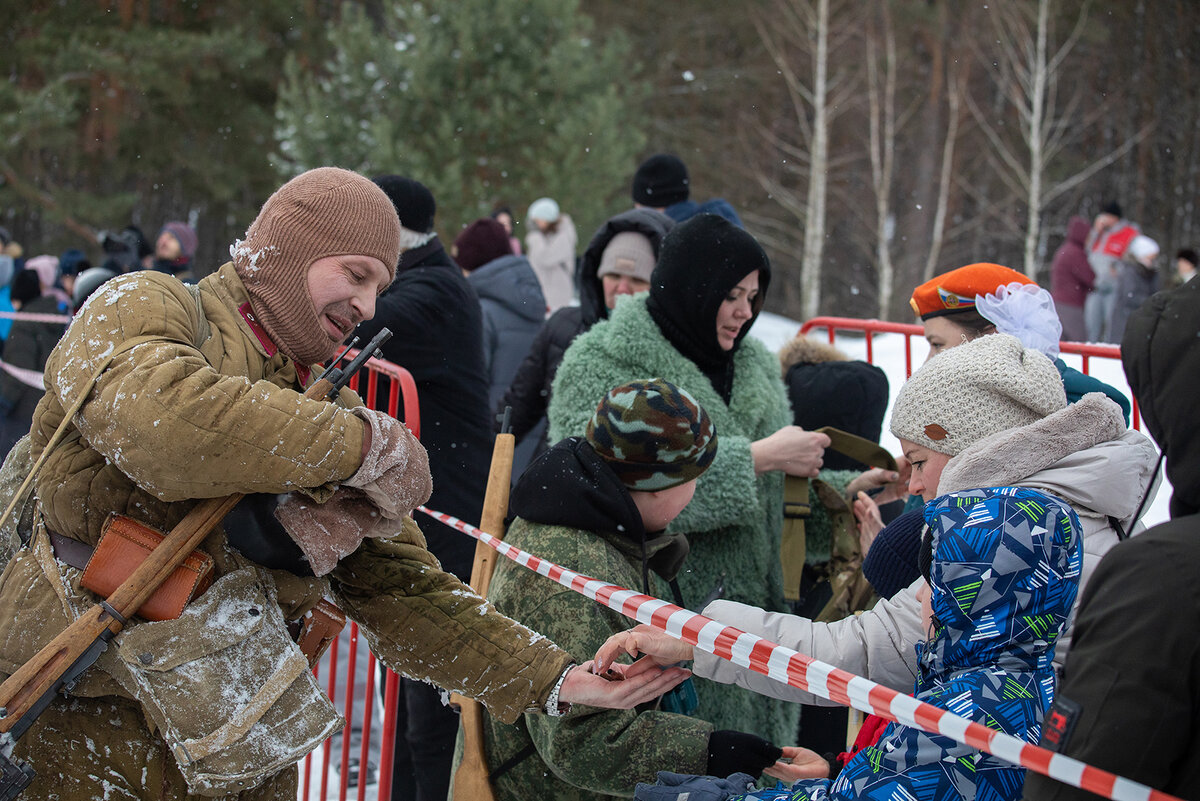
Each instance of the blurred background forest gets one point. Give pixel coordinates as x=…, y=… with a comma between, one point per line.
x=867, y=143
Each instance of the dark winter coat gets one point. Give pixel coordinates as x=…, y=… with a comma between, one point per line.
x=529, y=394
x=573, y=510
x=689, y=208
x=1135, y=284
x=28, y=346
x=1130, y=696
x=437, y=335
x=1071, y=276
x=513, y=311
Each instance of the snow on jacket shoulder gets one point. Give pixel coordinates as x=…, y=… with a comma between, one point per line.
x=193, y=423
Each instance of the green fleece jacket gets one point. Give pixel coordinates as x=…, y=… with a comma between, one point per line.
x=733, y=523
x=590, y=753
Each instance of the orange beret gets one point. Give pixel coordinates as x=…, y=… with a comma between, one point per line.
x=956, y=290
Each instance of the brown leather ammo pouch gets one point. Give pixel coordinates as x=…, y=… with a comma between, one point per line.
x=124, y=544
x=321, y=626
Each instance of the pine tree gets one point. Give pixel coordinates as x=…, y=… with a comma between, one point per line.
x=485, y=101
x=142, y=111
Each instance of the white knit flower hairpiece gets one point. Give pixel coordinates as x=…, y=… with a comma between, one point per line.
x=1027, y=312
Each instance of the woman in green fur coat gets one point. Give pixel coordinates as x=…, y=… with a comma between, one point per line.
x=690, y=329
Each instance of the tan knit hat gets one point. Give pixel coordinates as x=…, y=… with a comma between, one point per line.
x=323, y=212
x=976, y=389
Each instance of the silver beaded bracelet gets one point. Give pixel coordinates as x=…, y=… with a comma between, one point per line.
x=553, y=708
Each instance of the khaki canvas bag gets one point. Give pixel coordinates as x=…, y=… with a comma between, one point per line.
x=851, y=592
x=230, y=692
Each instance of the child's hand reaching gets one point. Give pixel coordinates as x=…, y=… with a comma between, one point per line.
x=798, y=763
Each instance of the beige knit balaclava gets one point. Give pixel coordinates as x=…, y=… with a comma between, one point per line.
x=323, y=212
x=976, y=389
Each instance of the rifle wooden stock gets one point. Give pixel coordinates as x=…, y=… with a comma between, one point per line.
x=40, y=674
x=471, y=779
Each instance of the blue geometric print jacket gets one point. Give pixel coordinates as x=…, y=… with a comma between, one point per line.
x=1006, y=565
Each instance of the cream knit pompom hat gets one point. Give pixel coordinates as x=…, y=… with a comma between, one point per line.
x=976, y=389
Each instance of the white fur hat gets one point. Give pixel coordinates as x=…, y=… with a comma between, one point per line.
x=976, y=389
x=1143, y=248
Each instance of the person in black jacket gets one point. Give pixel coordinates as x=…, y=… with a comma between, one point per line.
x=29, y=344
x=437, y=335
x=1129, y=701
x=626, y=271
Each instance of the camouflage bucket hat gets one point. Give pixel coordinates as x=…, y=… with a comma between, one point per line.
x=653, y=435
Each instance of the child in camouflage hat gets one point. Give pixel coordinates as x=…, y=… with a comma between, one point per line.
x=600, y=504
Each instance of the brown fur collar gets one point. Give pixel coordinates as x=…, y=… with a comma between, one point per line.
x=805, y=350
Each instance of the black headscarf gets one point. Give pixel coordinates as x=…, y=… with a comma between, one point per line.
x=702, y=259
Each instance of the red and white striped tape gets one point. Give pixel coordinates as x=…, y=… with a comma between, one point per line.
x=808, y=674
x=35, y=317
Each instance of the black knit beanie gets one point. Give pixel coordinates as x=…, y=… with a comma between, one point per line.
x=701, y=260
x=26, y=286
x=892, y=563
x=660, y=181
x=413, y=201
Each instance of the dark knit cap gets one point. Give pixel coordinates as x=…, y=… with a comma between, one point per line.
x=480, y=242
x=661, y=181
x=26, y=286
x=73, y=262
x=1112, y=207
x=323, y=212
x=892, y=562
x=412, y=199
x=653, y=435
x=851, y=396
x=701, y=260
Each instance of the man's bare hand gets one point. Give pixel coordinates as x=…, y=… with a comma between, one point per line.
x=802, y=764
x=625, y=686
x=660, y=647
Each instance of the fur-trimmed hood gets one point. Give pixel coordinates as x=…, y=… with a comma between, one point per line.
x=1083, y=454
x=805, y=350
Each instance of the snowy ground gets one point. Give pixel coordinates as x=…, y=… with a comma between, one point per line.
x=775, y=331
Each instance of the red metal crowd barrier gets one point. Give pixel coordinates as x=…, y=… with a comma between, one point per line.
x=1087, y=351
x=399, y=393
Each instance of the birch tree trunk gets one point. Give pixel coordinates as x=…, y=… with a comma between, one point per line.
x=1036, y=139
x=882, y=108
x=955, y=87
x=814, y=218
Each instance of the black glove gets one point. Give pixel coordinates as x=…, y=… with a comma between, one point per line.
x=737, y=752
x=252, y=528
